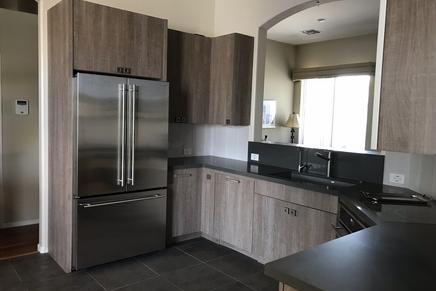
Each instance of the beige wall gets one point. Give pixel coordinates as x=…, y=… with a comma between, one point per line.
x=19, y=80
x=280, y=60
x=359, y=49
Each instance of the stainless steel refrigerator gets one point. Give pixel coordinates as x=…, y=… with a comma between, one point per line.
x=121, y=179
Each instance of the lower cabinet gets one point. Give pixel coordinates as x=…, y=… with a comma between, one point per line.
x=185, y=202
x=283, y=228
x=234, y=198
x=207, y=180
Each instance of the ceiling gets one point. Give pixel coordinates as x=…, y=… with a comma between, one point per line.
x=344, y=19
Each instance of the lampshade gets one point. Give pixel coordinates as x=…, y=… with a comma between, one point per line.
x=293, y=121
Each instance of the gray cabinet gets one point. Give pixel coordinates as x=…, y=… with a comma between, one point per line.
x=115, y=41
x=207, y=178
x=231, y=79
x=189, y=76
x=408, y=102
x=234, y=197
x=281, y=228
x=185, y=202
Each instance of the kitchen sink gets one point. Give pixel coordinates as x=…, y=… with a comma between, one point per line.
x=321, y=180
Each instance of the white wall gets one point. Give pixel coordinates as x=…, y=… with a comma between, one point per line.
x=19, y=80
x=352, y=50
x=280, y=60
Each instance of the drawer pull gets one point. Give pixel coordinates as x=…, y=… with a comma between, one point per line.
x=232, y=180
x=182, y=175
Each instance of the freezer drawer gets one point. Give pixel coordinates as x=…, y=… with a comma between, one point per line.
x=118, y=226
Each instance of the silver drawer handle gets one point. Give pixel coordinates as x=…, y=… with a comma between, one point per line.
x=232, y=180
x=182, y=175
x=89, y=205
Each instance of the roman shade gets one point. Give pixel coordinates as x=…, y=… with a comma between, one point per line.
x=334, y=71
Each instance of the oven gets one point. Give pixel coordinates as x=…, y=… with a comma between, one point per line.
x=347, y=222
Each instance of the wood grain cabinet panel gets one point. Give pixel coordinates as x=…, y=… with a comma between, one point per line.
x=231, y=79
x=185, y=202
x=321, y=201
x=408, y=100
x=189, y=75
x=283, y=228
x=234, y=198
x=207, y=181
x=114, y=41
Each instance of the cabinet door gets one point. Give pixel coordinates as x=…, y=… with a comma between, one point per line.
x=114, y=41
x=282, y=228
x=234, y=210
x=99, y=37
x=189, y=75
x=221, y=87
x=231, y=79
x=207, y=202
x=185, y=202
x=408, y=102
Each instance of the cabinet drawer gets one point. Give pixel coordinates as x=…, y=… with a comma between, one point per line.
x=321, y=201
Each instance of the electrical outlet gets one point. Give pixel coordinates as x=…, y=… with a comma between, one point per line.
x=254, y=157
x=187, y=151
x=396, y=178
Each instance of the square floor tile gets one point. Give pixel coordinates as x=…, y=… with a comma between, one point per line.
x=260, y=282
x=68, y=282
x=168, y=260
x=121, y=273
x=204, y=249
x=237, y=265
x=236, y=286
x=156, y=284
x=198, y=278
x=36, y=268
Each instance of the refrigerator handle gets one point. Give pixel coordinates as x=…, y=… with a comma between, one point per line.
x=121, y=133
x=132, y=92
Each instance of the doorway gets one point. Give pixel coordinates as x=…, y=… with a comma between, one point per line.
x=19, y=197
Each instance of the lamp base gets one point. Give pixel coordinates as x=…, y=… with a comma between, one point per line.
x=292, y=135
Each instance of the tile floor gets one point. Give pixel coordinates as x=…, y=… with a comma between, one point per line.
x=193, y=265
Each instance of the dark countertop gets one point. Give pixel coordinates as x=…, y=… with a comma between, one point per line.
x=390, y=256
x=396, y=253
x=350, y=196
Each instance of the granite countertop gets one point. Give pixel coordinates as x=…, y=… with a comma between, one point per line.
x=390, y=256
x=397, y=252
x=350, y=196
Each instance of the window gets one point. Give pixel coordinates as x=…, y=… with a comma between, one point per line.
x=334, y=112
x=269, y=114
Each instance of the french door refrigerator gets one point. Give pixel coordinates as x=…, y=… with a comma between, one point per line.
x=121, y=179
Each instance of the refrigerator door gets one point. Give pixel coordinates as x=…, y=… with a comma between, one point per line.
x=118, y=226
x=101, y=134
x=147, y=139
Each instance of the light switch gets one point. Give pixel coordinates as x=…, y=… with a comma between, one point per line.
x=22, y=107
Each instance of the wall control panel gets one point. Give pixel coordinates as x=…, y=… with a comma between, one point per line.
x=22, y=107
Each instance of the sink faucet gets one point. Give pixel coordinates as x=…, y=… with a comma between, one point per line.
x=302, y=167
x=326, y=157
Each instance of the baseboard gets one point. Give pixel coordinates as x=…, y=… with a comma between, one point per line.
x=42, y=249
x=19, y=223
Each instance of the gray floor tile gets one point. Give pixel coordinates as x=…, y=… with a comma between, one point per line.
x=121, y=273
x=36, y=267
x=7, y=274
x=237, y=265
x=68, y=282
x=260, y=282
x=236, y=286
x=198, y=278
x=168, y=260
x=156, y=284
x=204, y=250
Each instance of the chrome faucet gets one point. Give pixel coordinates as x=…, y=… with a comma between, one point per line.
x=327, y=158
x=302, y=167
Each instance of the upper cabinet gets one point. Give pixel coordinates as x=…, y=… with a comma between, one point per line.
x=114, y=41
x=408, y=100
x=210, y=78
x=189, y=75
x=231, y=79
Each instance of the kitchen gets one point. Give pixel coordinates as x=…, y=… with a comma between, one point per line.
x=155, y=149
